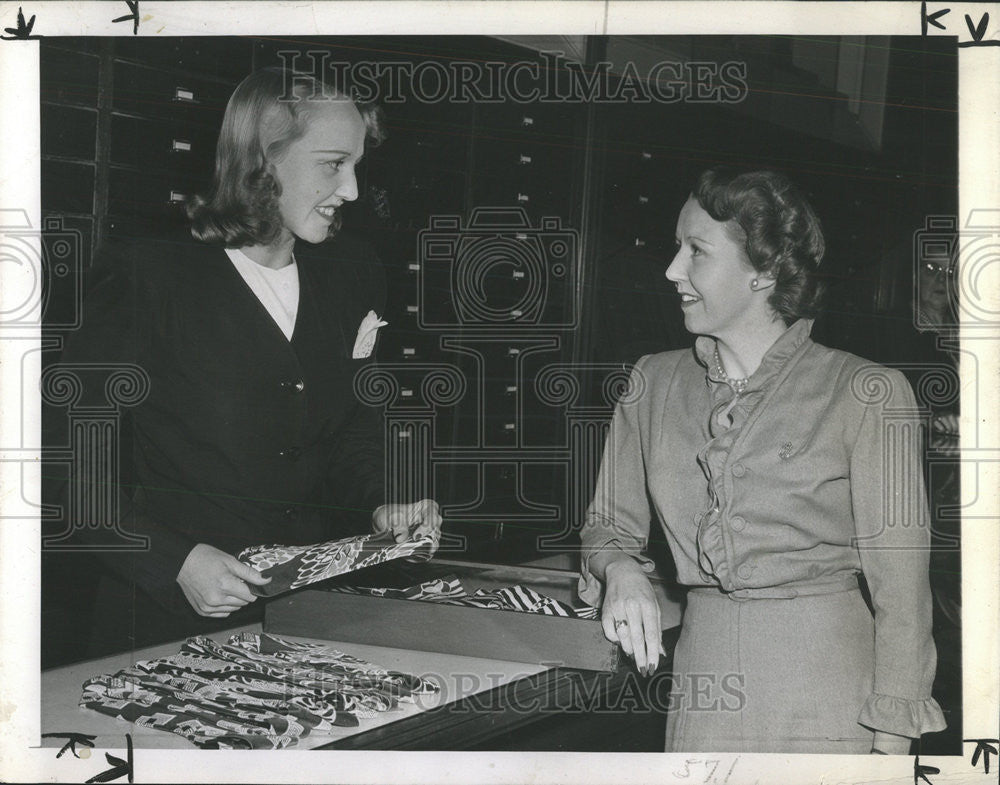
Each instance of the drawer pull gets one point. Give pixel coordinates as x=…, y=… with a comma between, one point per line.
x=522, y=197
x=176, y=197
x=412, y=309
x=646, y=156
x=510, y=388
x=524, y=159
x=409, y=352
x=527, y=121
x=180, y=146
x=183, y=94
x=639, y=243
x=513, y=351
x=509, y=426
x=643, y=200
x=518, y=274
x=413, y=267
x=406, y=393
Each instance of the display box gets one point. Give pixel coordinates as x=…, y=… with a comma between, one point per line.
x=554, y=641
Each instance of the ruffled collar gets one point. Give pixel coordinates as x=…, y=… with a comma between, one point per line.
x=774, y=359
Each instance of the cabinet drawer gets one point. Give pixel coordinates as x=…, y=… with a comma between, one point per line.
x=526, y=158
x=67, y=187
x=225, y=58
x=538, y=198
x=170, y=146
x=148, y=92
x=528, y=121
x=67, y=77
x=150, y=195
x=133, y=227
x=68, y=132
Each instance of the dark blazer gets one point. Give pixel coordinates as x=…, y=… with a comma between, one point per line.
x=245, y=437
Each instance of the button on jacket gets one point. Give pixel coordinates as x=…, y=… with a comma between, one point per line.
x=809, y=478
x=245, y=437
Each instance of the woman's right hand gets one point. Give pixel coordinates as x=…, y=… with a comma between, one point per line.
x=631, y=615
x=215, y=583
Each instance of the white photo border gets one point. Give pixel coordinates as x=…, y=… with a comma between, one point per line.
x=979, y=179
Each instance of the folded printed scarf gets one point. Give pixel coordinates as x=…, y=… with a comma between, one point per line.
x=292, y=567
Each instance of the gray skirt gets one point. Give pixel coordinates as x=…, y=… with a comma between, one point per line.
x=772, y=675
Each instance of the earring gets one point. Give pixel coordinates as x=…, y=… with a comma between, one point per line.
x=754, y=284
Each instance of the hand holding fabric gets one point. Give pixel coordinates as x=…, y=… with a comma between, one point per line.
x=405, y=522
x=215, y=583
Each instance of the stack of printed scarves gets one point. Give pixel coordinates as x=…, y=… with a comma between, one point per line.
x=257, y=691
x=449, y=591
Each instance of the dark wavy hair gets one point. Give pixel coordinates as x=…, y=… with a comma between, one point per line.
x=783, y=236
x=241, y=205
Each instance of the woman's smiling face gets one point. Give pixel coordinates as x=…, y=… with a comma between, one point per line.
x=316, y=173
x=712, y=273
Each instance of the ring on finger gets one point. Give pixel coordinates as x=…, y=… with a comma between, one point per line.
x=619, y=623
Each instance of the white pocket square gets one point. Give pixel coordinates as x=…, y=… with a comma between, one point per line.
x=367, y=333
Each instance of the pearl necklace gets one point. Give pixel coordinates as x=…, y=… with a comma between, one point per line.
x=737, y=385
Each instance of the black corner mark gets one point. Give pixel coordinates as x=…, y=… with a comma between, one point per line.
x=932, y=19
x=978, y=32
x=985, y=748
x=921, y=772
x=133, y=6
x=119, y=767
x=72, y=739
x=23, y=31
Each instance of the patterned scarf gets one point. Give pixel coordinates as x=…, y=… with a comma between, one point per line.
x=292, y=567
x=257, y=691
x=449, y=591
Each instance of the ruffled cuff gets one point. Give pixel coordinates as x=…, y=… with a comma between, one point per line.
x=901, y=716
x=589, y=587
